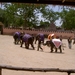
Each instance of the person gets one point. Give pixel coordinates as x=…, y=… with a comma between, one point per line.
x=39, y=43
x=69, y=42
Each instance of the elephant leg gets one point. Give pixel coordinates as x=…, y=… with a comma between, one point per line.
x=55, y=49
x=21, y=43
x=40, y=47
x=36, y=40
x=26, y=45
x=14, y=40
x=32, y=45
x=30, y=41
x=21, y=39
x=51, y=48
x=17, y=40
x=60, y=49
x=47, y=43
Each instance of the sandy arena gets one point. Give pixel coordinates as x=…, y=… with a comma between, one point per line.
x=14, y=55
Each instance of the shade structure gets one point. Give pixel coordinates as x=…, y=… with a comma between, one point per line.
x=55, y=2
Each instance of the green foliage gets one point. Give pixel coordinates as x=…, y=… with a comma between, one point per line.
x=22, y=14
x=2, y=17
x=68, y=19
x=49, y=15
x=26, y=15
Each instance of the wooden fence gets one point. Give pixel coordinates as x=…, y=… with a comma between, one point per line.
x=69, y=71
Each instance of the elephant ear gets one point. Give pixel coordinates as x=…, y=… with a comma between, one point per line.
x=56, y=42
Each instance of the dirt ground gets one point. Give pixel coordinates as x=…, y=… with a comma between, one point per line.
x=14, y=55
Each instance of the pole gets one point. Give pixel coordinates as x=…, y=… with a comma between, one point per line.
x=0, y=71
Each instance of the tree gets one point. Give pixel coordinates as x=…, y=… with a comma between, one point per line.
x=49, y=15
x=24, y=12
x=68, y=19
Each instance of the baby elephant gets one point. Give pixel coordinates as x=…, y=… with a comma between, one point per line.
x=54, y=44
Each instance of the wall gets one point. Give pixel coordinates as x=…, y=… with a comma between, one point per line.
x=65, y=34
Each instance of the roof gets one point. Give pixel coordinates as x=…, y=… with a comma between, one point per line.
x=55, y=2
x=1, y=23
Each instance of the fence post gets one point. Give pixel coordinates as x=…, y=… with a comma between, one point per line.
x=0, y=71
x=69, y=73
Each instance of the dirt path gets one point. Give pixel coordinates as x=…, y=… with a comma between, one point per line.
x=14, y=55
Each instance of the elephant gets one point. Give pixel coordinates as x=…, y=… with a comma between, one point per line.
x=54, y=44
x=41, y=35
x=17, y=37
x=28, y=40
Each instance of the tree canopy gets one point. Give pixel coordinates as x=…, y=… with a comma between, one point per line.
x=27, y=15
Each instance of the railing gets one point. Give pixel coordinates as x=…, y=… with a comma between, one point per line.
x=69, y=71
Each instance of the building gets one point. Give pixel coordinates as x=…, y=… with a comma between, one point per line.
x=52, y=27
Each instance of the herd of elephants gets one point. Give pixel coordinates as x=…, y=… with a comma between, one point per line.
x=53, y=41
